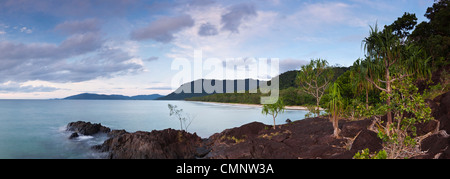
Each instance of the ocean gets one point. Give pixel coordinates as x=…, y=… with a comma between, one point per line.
x=34, y=129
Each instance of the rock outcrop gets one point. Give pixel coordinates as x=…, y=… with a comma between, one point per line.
x=87, y=128
x=307, y=138
x=165, y=144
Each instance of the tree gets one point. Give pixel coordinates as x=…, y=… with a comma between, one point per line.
x=403, y=25
x=335, y=107
x=409, y=108
x=434, y=36
x=273, y=109
x=388, y=60
x=185, y=119
x=314, y=78
x=358, y=74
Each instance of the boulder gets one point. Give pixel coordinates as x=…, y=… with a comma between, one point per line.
x=73, y=135
x=367, y=139
x=87, y=128
x=352, y=128
x=164, y=144
x=436, y=145
x=441, y=111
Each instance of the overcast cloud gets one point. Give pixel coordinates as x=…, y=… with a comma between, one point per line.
x=162, y=30
x=235, y=15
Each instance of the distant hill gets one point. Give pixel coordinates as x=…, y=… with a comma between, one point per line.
x=182, y=95
x=91, y=96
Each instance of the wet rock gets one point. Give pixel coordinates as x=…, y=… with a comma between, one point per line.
x=73, y=135
x=87, y=128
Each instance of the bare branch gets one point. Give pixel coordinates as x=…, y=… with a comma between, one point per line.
x=382, y=89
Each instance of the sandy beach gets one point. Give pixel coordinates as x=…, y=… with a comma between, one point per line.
x=257, y=105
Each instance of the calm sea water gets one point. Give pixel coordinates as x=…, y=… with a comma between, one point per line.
x=36, y=128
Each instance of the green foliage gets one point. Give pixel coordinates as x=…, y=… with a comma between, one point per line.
x=408, y=108
x=314, y=78
x=434, y=36
x=365, y=154
x=273, y=109
x=403, y=25
x=312, y=111
x=335, y=106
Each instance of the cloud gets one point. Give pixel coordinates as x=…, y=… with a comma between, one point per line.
x=291, y=64
x=326, y=13
x=153, y=58
x=235, y=15
x=78, y=27
x=26, y=30
x=81, y=57
x=12, y=87
x=162, y=30
x=74, y=45
x=64, y=8
x=207, y=29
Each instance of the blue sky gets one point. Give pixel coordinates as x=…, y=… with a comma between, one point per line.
x=57, y=48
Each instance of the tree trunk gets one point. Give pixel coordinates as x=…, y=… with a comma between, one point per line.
x=273, y=122
x=367, y=99
x=388, y=101
x=317, y=107
x=336, y=126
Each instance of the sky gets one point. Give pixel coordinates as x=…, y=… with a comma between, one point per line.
x=58, y=48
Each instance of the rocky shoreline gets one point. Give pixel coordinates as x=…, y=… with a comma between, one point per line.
x=309, y=138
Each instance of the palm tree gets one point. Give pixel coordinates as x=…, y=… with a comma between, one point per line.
x=335, y=106
x=358, y=74
x=389, y=60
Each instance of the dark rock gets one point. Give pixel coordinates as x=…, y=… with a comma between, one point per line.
x=115, y=133
x=202, y=151
x=86, y=128
x=427, y=127
x=288, y=120
x=441, y=111
x=435, y=144
x=308, y=138
x=73, y=135
x=352, y=128
x=165, y=144
x=367, y=139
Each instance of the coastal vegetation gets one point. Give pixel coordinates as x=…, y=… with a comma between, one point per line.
x=273, y=109
x=404, y=65
x=314, y=79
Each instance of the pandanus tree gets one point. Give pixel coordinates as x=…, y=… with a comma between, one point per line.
x=389, y=60
x=358, y=74
x=335, y=107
